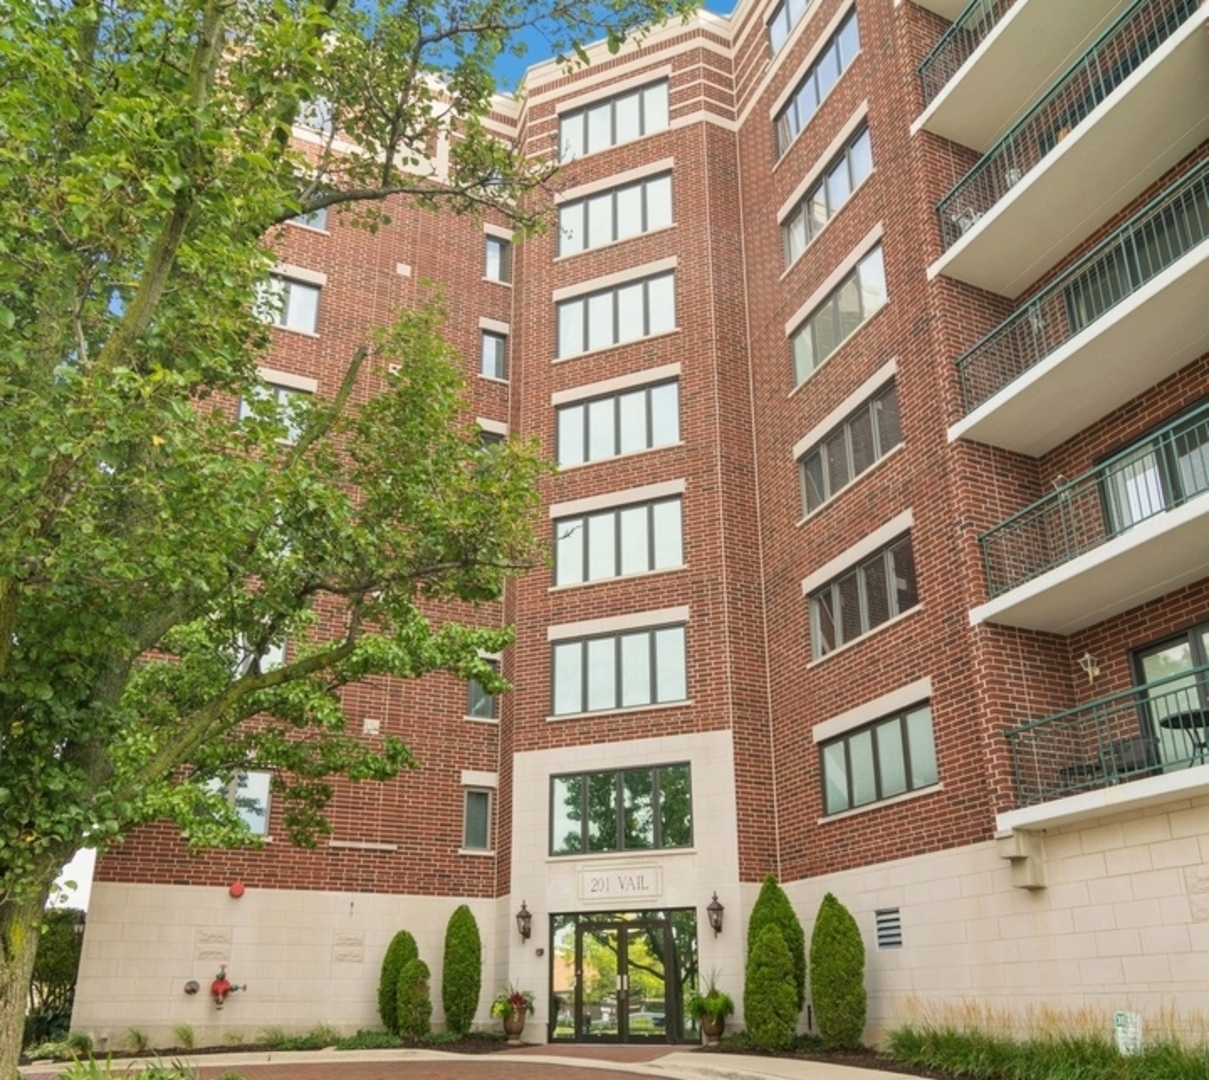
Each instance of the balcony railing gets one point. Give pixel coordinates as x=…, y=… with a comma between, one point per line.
x=959, y=41
x=1116, y=54
x=1145, y=731
x=1154, y=475
x=1159, y=234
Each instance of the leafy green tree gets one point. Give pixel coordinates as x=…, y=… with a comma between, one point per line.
x=53, y=986
x=837, y=976
x=401, y=949
x=152, y=551
x=414, y=1000
x=769, y=1003
x=461, y=971
x=772, y=907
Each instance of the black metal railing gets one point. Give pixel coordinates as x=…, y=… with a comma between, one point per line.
x=1110, y=60
x=958, y=42
x=1163, y=231
x=1145, y=731
x=1156, y=474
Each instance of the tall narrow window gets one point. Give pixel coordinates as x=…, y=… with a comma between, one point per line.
x=499, y=259
x=286, y=302
x=476, y=827
x=495, y=355
x=481, y=702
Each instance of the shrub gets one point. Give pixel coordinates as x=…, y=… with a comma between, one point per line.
x=415, y=1002
x=772, y=906
x=461, y=971
x=53, y=984
x=837, y=976
x=769, y=1003
x=401, y=949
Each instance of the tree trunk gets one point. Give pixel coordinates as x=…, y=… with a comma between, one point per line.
x=20, y=928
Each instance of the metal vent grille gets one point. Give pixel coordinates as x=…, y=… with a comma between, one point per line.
x=889, y=928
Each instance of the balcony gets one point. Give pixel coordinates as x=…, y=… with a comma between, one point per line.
x=1126, y=532
x=1127, y=111
x=1152, y=736
x=997, y=58
x=1129, y=313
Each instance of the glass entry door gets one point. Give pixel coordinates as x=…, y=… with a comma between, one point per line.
x=1177, y=672
x=622, y=976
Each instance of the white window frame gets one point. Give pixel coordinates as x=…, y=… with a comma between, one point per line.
x=799, y=109
x=583, y=208
x=277, y=304
x=653, y=102
x=503, y=261
x=257, y=822
x=497, y=342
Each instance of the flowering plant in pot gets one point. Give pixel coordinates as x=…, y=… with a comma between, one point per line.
x=711, y=1006
x=512, y=1006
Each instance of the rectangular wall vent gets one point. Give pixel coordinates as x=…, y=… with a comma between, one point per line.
x=889, y=928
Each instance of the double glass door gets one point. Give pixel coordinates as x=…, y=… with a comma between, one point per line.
x=622, y=976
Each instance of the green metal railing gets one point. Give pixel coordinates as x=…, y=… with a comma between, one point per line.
x=1164, y=230
x=1144, y=731
x=962, y=37
x=1165, y=470
x=1111, y=59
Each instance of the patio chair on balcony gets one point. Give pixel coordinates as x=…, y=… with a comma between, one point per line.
x=1124, y=759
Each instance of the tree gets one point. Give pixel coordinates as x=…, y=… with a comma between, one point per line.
x=152, y=551
x=461, y=970
x=54, y=981
x=401, y=949
x=837, y=976
x=415, y=1002
x=772, y=907
x=769, y=1004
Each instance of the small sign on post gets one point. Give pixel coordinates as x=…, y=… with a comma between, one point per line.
x=1128, y=1029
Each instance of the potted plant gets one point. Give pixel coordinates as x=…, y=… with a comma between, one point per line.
x=711, y=1006
x=512, y=1006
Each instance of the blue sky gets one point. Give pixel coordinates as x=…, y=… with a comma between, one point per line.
x=509, y=70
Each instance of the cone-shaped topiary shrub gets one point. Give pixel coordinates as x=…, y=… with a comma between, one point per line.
x=415, y=1002
x=462, y=971
x=402, y=948
x=769, y=1005
x=837, y=976
x=773, y=907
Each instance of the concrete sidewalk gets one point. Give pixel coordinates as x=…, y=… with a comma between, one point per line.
x=527, y=1063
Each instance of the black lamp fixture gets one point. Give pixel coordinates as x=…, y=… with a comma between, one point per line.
x=524, y=921
x=714, y=910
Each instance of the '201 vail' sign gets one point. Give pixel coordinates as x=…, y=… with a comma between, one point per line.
x=620, y=883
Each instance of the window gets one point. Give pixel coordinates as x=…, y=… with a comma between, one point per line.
x=286, y=302
x=271, y=656
x=499, y=259
x=616, y=120
x=861, y=440
x=248, y=794
x=481, y=703
x=614, y=215
x=640, y=809
x=476, y=821
x=490, y=440
x=1158, y=473
x=619, y=671
x=624, y=423
x=318, y=115
x=816, y=84
x=1174, y=675
x=889, y=757
x=609, y=317
x=861, y=294
x=623, y=540
x=284, y=405
x=313, y=219
x=823, y=201
x=783, y=20
x=872, y=593
x=495, y=355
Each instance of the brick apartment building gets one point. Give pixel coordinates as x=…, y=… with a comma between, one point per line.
x=873, y=344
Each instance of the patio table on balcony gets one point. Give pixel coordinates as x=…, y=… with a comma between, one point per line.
x=1193, y=723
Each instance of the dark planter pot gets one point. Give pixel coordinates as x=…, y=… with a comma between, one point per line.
x=514, y=1025
x=712, y=1029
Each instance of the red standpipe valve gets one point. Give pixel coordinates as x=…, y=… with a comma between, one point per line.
x=222, y=986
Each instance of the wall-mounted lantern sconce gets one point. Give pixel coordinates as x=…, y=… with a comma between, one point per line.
x=714, y=910
x=1090, y=665
x=524, y=921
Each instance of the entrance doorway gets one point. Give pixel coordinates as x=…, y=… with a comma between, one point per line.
x=622, y=976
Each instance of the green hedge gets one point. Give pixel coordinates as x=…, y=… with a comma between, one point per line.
x=772, y=907
x=769, y=1005
x=837, y=976
x=415, y=1001
x=401, y=949
x=461, y=971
